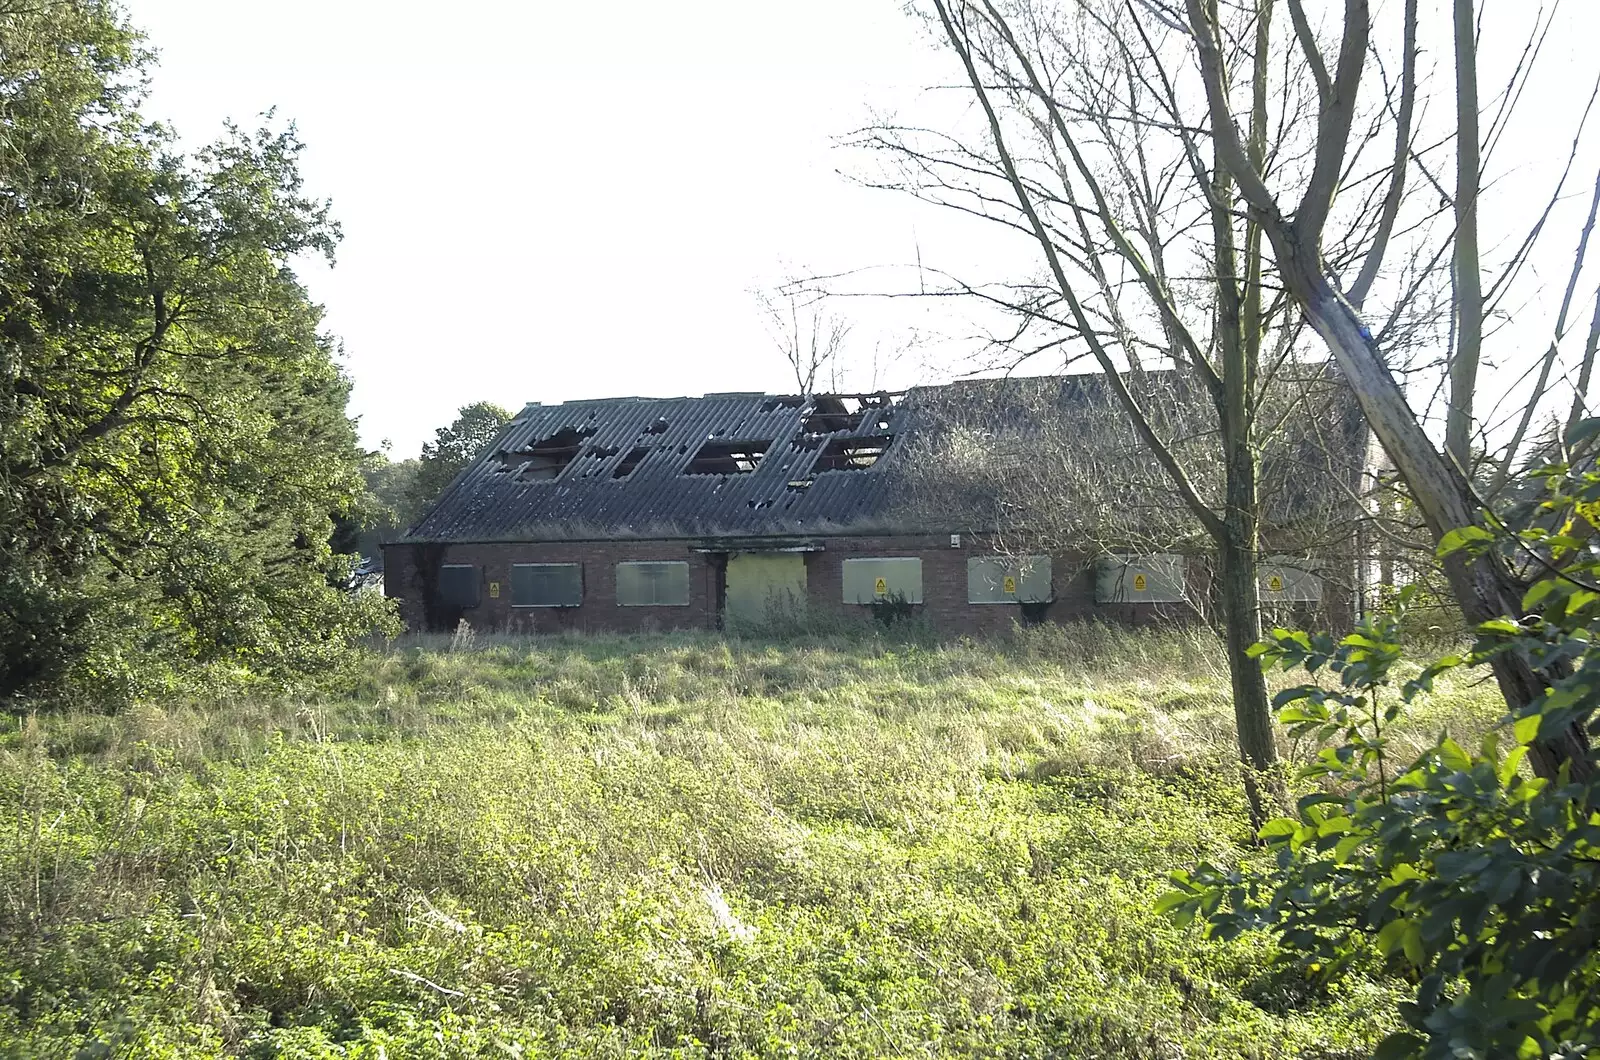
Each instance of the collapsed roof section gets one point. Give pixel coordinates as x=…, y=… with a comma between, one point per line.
x=723, y=464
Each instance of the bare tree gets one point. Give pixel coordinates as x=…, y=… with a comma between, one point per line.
x=811, y=338
x=1483, y=585
x=1091, y=148
x=1053, y=464
x=1114, y=131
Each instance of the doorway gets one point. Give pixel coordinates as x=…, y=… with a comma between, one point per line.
x=763, y=587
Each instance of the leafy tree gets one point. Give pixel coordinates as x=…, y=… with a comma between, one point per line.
x=452, y=449
x=1483, y=880
x=398, y=492
x=385, y=508
x=390, y=482
x=173, y=436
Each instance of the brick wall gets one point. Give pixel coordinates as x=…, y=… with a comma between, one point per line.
x=944, y=585
x=599, y=611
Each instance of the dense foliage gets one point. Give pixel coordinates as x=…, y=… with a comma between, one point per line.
x=452, y=449
x=1481, y=880
x=399, y=492
x=173, y=437
x=844, y=846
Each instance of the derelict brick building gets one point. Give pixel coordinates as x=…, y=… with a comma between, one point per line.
x=699, y=512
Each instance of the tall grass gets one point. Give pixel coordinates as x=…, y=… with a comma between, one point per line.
x=836, y=845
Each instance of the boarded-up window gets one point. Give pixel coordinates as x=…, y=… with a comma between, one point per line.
x=1157, y=579
x=653, y=584
x=866, y=580
x=546, y=585
x=1008, y=580
x=1289, y=579
x=458, y=585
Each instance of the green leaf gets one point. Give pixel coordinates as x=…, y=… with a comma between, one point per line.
x=1280, y=826
x=1505, y=885
x=1508, y=767
x=1401, y=1045
x=1540, y=590
x=1411, y=942
x=1454, y=864
x=1334, y=826
x=1346, y=846
x=1460, y=538
x=1388, y=939
x=1526, y=730
x=1172, y=900
x=1406, y=871
x=1305, y=802
x=1451, y=754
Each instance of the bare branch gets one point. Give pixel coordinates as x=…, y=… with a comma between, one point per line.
x=1357, y=294
x=1129, y=403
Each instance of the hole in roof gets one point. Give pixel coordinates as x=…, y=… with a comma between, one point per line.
x=658, y=427
x=547, y=458
x=852, y=454
x=634, y=458
x=830, y=413
x=716, y=457
x=799, y=485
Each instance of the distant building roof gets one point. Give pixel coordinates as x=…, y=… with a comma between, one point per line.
x=745, y=464
x=733, y=465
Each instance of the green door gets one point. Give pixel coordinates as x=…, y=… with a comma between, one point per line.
x=764, y=586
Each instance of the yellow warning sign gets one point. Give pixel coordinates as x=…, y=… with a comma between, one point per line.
x=1011, y=585
x=1275, y=583
x=1139, y=583
x=494, y=590
x=881, y=587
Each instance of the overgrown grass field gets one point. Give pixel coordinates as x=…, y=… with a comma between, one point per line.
x=668, y=846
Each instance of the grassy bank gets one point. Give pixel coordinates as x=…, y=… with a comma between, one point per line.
x=668, y=845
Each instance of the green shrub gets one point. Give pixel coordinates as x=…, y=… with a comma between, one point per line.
x=1478, y=881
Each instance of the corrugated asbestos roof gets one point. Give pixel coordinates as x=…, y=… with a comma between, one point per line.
x=503, y=496
x=626, y=467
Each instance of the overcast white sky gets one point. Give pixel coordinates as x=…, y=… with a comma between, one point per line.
x=544, y=201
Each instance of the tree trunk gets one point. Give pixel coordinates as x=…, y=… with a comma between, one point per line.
x=1469, y=281
x=1482, y=586
x=1240, y=595
x=1240, y=599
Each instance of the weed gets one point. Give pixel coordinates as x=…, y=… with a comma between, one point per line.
x=844, y=844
